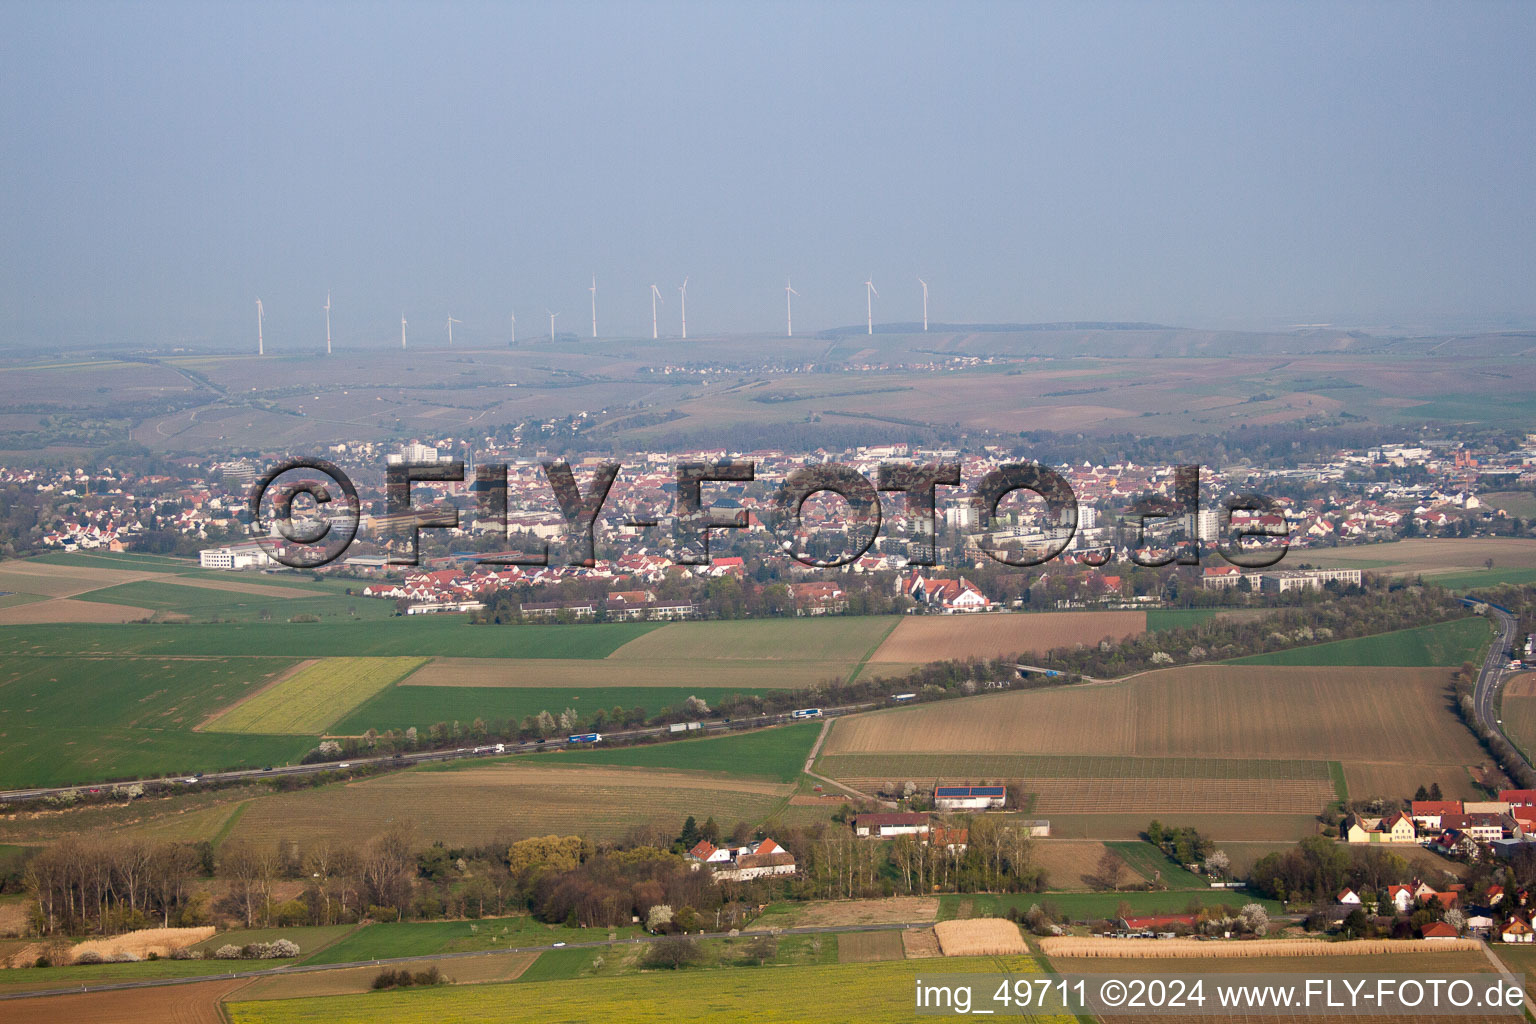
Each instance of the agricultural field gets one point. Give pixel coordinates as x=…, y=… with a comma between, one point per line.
x=1225, y=711
x=1367, y=779
x=461, y=970
x=554, y=673
x=870, y=947
x=198, y=1003
x=1237, y=751
x=863, y=992
x=1427, y=557
x=309, y=939
x=426, y=938
x=508, y=801
x=1092, y=906
x=312, y=698
x=923, y=638
x=892, y=910
x=399, y=707
x=74, y=720
x=408, y=636
x=1443, y=643
x=833, y=638
x=1270, y=827
x=1517, y=709
x=778, y=753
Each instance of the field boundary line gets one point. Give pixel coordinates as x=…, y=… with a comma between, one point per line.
x=229, y=824
x=896, y=621
x=281, y=677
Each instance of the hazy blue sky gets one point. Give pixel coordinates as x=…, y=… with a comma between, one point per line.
x=1208, y=165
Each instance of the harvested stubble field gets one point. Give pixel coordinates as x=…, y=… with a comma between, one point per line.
x=927, y=638
x=1171, y=796
x=1093, y=948
x=893, y=910
x=980, y=936
x=1428, y=556
x=579, y=673
x=926, y=769
x=1255, y=827
x=310, y=699
x=67, y=609
x=197, y=1003
x=139, y=944
x=1066, y=861
x=508, y=801
x=1384, y=715
x=1372, y=779
x=869, y=947
x=920, y=944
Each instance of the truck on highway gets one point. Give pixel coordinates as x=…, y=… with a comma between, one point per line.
x=806, y=713
x=585, y=737
x=684, y=727
x=500, y=748
x=901, y=698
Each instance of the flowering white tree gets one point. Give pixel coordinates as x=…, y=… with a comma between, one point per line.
x=1255, y=918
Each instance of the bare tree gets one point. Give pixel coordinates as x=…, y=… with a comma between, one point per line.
x=1110, y=872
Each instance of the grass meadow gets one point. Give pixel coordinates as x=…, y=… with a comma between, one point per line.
x=1442, y=643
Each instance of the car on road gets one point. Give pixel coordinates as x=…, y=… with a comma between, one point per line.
x=345, y=764
x=557, y=945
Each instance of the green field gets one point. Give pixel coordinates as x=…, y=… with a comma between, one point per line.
x=400, y=707
x=1476, y=579
x=203, y=604
x=415, y=635
x=1147, y=860
x=1093, y=906
x=778, y=753
x=1443, y=643
x=74, y=720
x=424, y=938
x=315, y=696
x=1177, y=618
x=864, y=992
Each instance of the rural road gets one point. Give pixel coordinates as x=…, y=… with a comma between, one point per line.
x=1485, y=695
x=116, y=986
x=426, y=756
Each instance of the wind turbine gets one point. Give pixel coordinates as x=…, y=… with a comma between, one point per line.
x=552, y=327
x=261, y=346
x=593, y=290
x=789, y=310
x=327, y=322
x=655, y=297
x=402, y=329
x=513, y=342
x=683, y=299
x=869, y=304
x=925, y=302
x=451, y=322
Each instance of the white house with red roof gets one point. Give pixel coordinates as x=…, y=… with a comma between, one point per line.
x=762, y=859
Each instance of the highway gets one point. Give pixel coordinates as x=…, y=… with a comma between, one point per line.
x=424, y=756
x=1485, y=695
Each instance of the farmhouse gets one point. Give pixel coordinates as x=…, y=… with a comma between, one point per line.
x=742, y=863
x=1395, y=828
x=1427, y=814
x=969, y=798
x=886, y=825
